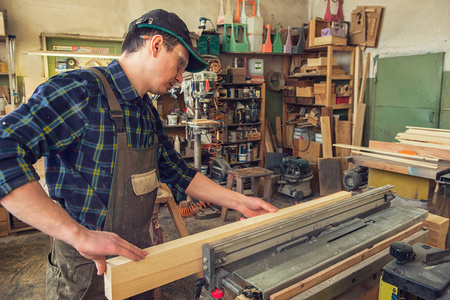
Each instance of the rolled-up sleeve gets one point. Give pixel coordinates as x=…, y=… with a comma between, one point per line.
x=52, y=118
x=173, y=170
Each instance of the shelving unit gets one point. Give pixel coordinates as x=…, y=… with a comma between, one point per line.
x=229, y=144
x=329, y=78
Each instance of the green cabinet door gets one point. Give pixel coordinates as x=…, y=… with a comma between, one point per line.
x=407, y=92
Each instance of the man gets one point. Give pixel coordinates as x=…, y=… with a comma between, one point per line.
x=105, y=150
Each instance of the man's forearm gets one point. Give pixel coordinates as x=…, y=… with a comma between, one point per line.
x=204, y=189
x=32, y=205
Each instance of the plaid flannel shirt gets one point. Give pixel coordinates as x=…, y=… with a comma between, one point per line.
x=67, y=121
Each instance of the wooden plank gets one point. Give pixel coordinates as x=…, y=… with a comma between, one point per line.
x=327, y=143
x=429, y=145
x=399, y=160
x=429, y=129
x=423, y=151
x=279, y=132
x=442, y=134
x=323, y=275
x=438, y=227
x=329, y=175
x=309, y=150
x=359, y=125
x=183, y=257
x=423, y=138
x=364, y=79
x=343, y=130
x=417, y=157
x=380, y=164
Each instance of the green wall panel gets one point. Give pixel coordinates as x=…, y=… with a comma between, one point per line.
x=407, y=91
x=274, y=107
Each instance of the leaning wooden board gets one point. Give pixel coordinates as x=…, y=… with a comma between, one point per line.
x=183, y=257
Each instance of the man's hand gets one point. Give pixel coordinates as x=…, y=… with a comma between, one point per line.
x=95, y=245
x=252, y=207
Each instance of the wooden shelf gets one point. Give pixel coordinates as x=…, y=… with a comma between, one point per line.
x=241, y=84
x=246, y=162
x=244, y=124
x=240, y=142
x=241, y=99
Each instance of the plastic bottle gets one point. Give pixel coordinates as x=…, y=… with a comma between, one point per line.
x=255, y=29
x=239, y=133
x=247, y=114
x=221, y=16
x=253, y=111
x=177, y=144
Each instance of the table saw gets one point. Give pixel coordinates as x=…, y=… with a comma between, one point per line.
x=284, y=253
x=290, y=252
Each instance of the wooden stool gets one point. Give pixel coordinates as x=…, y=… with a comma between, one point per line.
x=255, y=174
x=166, y=197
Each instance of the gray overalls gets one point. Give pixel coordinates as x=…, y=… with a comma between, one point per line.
x=130, y=208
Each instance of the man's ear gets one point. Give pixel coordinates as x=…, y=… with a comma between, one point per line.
x=156, y=44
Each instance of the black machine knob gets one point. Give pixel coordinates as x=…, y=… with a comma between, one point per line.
x=402, y=252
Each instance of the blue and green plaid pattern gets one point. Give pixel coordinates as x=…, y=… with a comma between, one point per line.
x=67, y=121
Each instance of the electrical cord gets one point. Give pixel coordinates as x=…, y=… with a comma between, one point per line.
x=309, y=141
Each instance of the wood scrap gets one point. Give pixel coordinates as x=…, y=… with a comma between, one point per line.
x=438, y=227
x=399, y=160
x=366, y=149
x=442, y=155
x=327, y=143
x=359, y=125
x=425, y=137
x=329, y=175
x=270, y=142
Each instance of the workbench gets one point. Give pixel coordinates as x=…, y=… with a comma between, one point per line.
x=414, y=182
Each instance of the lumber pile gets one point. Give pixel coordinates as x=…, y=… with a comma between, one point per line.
x=425, y=137
x=410, y=160
x=438, y=227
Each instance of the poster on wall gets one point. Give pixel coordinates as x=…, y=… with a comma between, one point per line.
x=71, y=62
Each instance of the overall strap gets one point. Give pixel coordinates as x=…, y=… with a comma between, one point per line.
x=115, y=111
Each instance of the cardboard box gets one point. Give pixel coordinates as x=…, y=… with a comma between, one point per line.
x=321, y=88
x=321, y=99
x=305, y=91
x=321, y=61
x=236, y=71
x=238, y=78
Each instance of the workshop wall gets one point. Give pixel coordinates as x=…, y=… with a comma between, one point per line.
x=27, y=19
x=408, y=28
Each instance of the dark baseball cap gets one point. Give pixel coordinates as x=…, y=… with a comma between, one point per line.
x=172, y=24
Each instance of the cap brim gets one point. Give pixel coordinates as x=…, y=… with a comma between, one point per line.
x=196, y=63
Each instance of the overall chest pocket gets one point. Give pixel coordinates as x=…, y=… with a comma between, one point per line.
x=145, y=183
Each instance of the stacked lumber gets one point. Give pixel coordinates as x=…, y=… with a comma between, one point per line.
x=438, y=227
x=410, y=160
x=425, y=137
